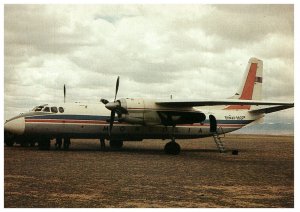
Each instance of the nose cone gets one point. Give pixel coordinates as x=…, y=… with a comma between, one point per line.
x=15, y=126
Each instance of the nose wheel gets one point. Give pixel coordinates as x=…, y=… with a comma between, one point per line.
x=9, y=139
x=172, y=148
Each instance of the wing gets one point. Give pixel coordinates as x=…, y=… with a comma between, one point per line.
x=198, y=103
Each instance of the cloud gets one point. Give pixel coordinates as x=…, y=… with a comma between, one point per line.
x=248, y=23
x=189, y=51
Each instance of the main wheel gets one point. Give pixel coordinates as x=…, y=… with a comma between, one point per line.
x=115, y=144
x=172, y=148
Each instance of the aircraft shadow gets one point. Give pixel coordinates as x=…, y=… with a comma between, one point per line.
x=149, y=151
x=124, y=150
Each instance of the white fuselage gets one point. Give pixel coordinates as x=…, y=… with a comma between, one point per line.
x=80, y=120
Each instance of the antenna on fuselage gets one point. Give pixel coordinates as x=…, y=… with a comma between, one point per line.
x=64, y=93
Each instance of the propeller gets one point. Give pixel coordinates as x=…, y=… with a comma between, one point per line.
x=112, y=106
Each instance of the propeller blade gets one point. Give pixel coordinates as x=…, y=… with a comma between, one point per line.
x=111, y=122
x=112, y=106
x=117, y=88
x=64, y=93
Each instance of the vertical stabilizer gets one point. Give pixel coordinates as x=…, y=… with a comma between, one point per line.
x=251, y=86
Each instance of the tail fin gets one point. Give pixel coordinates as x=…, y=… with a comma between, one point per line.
x=251, y=87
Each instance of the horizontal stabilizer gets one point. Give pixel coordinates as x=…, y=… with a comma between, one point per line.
x=272, y=109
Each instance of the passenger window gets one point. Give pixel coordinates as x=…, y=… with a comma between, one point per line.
x=46, y=109
x=61, y=109
x=54, y=109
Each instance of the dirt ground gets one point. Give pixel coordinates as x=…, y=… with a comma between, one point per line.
x=141, y=175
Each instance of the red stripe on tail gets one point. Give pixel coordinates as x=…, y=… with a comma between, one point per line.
x=247, y=90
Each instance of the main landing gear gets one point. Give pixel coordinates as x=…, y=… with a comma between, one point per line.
x=115, y=144
x=58, y=143
x=172, y=148
x=102, y=144
x=67, y=143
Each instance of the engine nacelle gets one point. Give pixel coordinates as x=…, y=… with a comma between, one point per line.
x=139, y=111
x=147, y=112
x=129, y=118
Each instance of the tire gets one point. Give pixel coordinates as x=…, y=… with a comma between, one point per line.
x=9, y=139
x=172, y=148
x=116, y=144
x=235, y=152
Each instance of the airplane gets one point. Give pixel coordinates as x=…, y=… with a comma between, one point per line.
x=135, y=119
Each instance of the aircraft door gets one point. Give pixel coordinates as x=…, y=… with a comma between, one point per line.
x=213, y=123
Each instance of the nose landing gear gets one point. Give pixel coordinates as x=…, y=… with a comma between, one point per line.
x=9, y=139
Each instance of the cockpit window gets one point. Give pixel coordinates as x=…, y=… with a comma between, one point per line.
x=46, y=109
x=61, y=109
x=38, y=108
x=54, y=109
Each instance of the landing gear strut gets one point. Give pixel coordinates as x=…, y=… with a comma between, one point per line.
x=172, y=148
x=67, y=143
x=58, y=143
x=102, y=144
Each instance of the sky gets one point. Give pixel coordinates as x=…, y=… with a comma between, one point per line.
x=189, y=51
